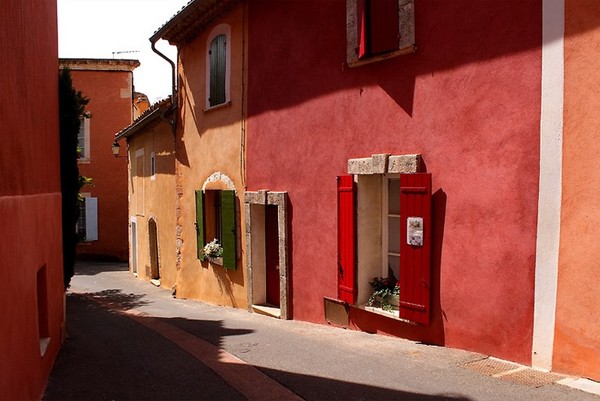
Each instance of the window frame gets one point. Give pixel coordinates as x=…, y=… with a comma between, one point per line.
x=221, y=29
x=406, y=41
x=84, y=125
x=371, y=176
x=385, y=219
x=219, y=210
x=89, y=206
x=152, y=166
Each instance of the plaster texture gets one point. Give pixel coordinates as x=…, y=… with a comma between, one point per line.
x=31, y=263
x=209, y=150
x=577, y=334
x=467, y=101
x=108, y=84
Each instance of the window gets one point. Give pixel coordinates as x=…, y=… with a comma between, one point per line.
x=83, y=138
x=378, y=29
x=215, y=219
x=218, y=62
x=138, y=171
x=87, y=225
x=375, y=240
x=152, y=166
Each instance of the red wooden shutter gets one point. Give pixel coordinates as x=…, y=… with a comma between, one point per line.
x=361, y=24
x=415, y=261
x=383, y=24
x=346, y=239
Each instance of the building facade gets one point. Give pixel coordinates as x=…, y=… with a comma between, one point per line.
x=151, y=185
x=31, y=263
x=445, y=147
x=108, y=84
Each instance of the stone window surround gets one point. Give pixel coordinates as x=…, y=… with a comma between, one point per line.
x=279, y=199
x=385, y=163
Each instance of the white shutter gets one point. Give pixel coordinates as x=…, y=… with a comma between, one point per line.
x=91, y=219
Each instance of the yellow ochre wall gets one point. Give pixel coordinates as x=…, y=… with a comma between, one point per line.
x=209, y=142
x=153, y=198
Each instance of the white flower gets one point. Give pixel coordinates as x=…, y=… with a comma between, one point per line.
x=213, y=249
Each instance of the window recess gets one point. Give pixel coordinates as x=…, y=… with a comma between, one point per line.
x=215, y=219
x=378, y=29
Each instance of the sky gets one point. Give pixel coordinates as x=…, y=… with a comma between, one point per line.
x=99, y=28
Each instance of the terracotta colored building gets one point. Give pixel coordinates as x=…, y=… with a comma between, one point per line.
x=576, y=347
x=108, y=84
x=32, y=288
x=331, y=103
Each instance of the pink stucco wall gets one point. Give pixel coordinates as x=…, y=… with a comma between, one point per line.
x=467, y=101
x=30, y=199
x=577, y=334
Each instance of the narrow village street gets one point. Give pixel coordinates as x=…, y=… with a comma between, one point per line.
x=129, y=340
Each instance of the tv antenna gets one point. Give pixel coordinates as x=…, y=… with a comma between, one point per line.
x=124, y=52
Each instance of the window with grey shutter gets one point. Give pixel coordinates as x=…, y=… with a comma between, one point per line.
x=218, y=64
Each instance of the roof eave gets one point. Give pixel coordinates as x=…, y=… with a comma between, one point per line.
x=192, y=19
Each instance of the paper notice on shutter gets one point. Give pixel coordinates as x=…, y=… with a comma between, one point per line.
x=414, y=231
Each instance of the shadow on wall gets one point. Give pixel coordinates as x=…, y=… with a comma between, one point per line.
x=449, y=34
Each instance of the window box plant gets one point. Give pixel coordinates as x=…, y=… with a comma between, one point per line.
x=385, y=294
x=213, y=252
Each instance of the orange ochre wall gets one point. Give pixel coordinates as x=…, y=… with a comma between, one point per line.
x=110, y=95
x=30, y=199
x=158, y=202
x=577, y=334
x=209, y=141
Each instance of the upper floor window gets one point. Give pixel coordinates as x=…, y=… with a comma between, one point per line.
x=378, y=29
x=218, y=62
x=83, y=138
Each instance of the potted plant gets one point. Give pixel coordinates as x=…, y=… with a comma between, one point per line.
x=213, y=252
x=385, y=293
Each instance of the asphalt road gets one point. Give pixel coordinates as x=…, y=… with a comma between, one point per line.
x=129, y=340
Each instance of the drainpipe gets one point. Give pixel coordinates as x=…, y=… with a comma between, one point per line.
x=173, y=121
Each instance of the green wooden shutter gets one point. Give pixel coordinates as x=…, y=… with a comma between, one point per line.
x=218, y=61
x=199, y=222
x=228, y=228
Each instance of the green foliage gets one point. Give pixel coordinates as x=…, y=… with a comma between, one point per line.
x=71, y=107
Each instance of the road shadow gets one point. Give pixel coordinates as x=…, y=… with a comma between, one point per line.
x=91, y=268
x=109, y=356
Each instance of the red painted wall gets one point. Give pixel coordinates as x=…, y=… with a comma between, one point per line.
x=467, y=100
x=111, y=110
x=30, y=200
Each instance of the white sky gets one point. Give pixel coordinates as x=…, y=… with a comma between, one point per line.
x=97, y=28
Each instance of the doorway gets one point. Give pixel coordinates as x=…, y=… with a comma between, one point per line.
x=266, y=253
x=134, y=268
x=272, y=255
x=153, y=247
